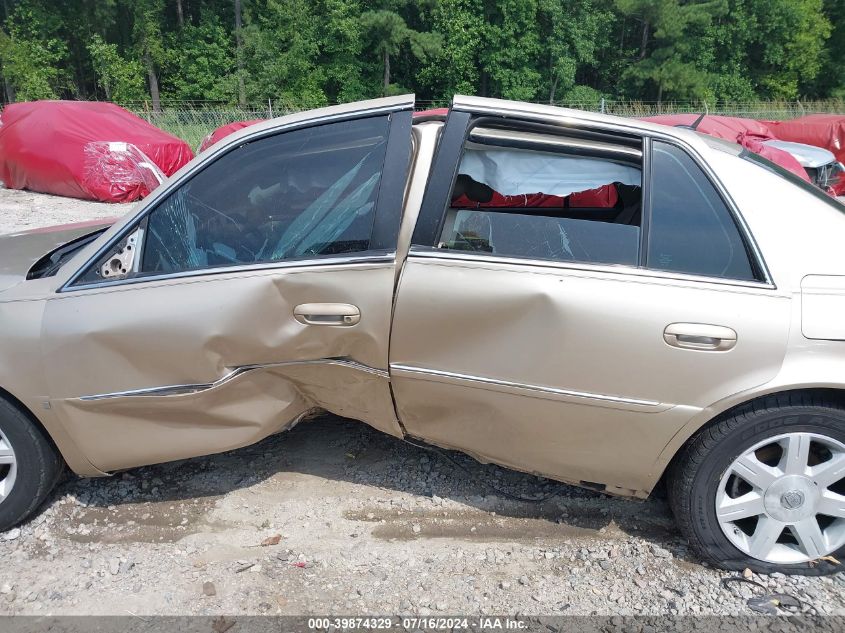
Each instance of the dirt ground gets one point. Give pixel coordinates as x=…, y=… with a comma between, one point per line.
x=336, y=518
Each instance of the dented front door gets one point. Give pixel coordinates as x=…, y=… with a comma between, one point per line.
x=264, y=292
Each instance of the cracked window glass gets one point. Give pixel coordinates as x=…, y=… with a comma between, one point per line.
x=298, y=194
x=550, y=203
x=295, y=195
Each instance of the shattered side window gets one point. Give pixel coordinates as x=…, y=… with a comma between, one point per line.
x=298, y=194
x=554, y=202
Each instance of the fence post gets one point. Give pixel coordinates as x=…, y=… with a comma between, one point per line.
x=602, y=105
x=270, y=105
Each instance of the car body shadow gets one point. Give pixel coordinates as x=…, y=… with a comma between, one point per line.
x=467, y=499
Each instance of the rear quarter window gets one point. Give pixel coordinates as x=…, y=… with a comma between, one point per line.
x=691, y=229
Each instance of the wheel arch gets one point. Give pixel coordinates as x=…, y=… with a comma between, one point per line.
x=65, y=447
x=799, y=396
x=10, y=398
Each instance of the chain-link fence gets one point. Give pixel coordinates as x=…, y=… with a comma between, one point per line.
x=192, y=121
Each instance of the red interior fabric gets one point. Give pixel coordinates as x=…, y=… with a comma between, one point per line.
x=601, y=197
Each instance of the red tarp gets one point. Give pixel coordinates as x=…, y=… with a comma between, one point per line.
x=94, y=151
x=747, y=132
x=225, y=130
x=821, y=130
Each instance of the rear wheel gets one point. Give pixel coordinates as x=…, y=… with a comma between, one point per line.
x=29, y=466
x=765, y=488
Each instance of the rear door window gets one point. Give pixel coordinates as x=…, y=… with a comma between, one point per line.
x=540, y=197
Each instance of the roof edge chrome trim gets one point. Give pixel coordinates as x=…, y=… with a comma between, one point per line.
x=616, y=269
x=494, y=382
x=188, y=389
x=313, y=262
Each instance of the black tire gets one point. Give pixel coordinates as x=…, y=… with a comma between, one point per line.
x=38, y=465
x=695, y=473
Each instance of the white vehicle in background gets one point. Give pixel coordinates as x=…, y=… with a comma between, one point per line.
x=820, y=164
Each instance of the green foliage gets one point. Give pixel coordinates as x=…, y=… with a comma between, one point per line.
x=121, y=79
x=341, y=49
x=281, y=41
x=31, y=52
x=305, y=53
x=510, y=48
x=199, y=63
x=584, y=96
x=572, y=33
x=668, y=61
x=456, y=68
x=387, y=32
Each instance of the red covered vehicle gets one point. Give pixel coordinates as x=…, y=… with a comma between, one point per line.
x=749, y=133
x=821, y=130
x=806, y=158
x=225, y=130
x=89, y=150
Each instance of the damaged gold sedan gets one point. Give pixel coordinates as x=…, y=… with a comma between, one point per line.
x=603, y=301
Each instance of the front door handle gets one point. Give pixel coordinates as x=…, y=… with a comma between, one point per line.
x=327, y=314
x=699, y=336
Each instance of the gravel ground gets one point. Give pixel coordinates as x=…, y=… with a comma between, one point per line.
x=336, y=518
x=23, y=210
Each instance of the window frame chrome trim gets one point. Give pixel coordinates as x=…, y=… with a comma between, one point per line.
x=195, y=388
x=541, y=389
x=217, y=150
x=426, y=252
x=311, y=262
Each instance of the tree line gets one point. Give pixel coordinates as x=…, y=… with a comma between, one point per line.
x=307, y=53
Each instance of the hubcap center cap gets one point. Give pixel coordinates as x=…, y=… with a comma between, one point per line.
x=791, y=498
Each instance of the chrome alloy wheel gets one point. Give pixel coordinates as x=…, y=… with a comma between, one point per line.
x=783, y=500
x=8, y=467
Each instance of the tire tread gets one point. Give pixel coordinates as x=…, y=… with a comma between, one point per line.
x=684, y=467
x=48, y=469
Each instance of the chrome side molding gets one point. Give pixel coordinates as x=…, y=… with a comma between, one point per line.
x=538, y=390
x=182, y=390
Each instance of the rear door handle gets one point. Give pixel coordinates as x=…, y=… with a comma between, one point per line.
x=327, y=314
x=700, y=336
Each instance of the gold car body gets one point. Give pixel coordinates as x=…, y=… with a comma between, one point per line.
x=563, y=369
